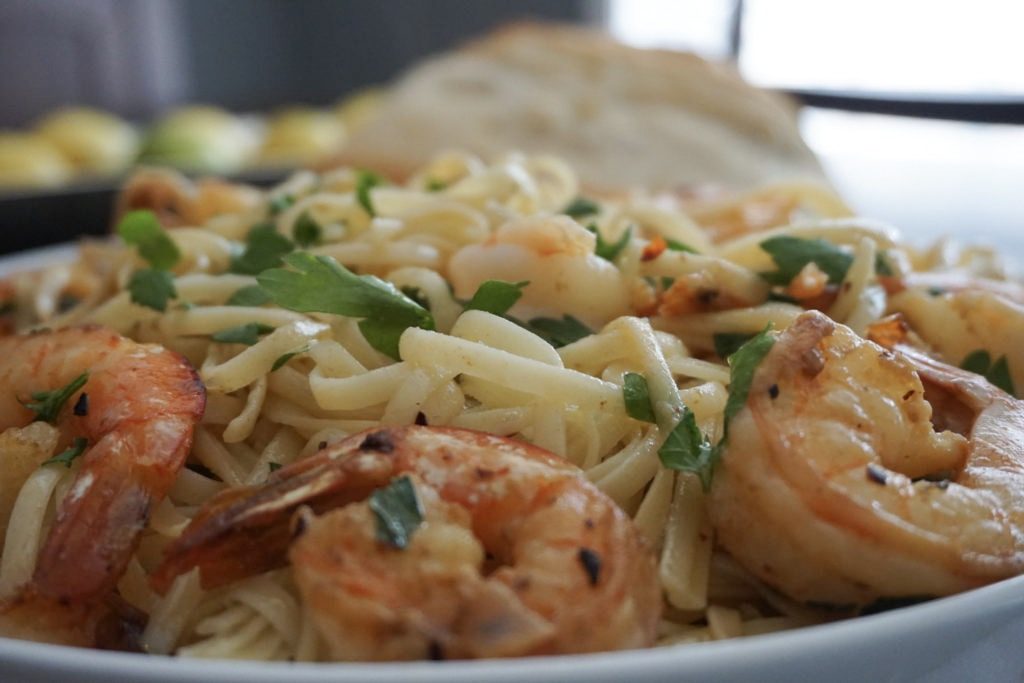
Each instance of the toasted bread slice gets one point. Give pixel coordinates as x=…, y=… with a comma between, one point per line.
x=621, y=116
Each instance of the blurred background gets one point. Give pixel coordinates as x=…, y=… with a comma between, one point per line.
x=915, y=108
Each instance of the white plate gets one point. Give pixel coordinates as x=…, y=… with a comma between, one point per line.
x=974, y=636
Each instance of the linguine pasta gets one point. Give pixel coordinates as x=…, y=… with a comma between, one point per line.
x=654, y=288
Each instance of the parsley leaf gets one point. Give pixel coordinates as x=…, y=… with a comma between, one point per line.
x=366, y=181
x=274, y=466
x=285, y=357
x=152, y=288
x=728, y=343
x=791, y=254
x=318, y=284
x=398, y=512
x=68, y=456
x=496, y=296
x=435, y=185
x=580, y=207
x=47, y=404
x=637, y=397
x=687, y=450
x=247, y=334
x=307, y=231
x=253, y=295
x=676, y=245
x=559, y=332
x=279, y=204
x=742, y=365
x=610, y=251
x=264, y=248
x=882, y=266
x=142, y=229
x=416, y=294
x=997, y=373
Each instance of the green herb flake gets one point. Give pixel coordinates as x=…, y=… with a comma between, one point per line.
x=318, y=284
x=435, y=185
x=417, y=295
x=610, y=251
x=997, y=373
x=283, y=359
x=557, y=332
x=728, y=343
x=676, y=245
x=742, y=365
x=264, y=248
x=280, y=204
x=47, y=404
x=496, y=296
x=882, y=266
x=247, y=334
x=274, y=466
x=307, y=231
x=791, y=254
x=152, y=288
x=687, y=450
x=667, y=282
x=253, y=295
x=366, y=181
x=580, y=207
x=143, y=230
x=398, y=512
x=637, y=397
x=68, y=456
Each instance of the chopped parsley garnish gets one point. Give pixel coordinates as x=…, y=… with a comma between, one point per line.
x=580, y=207
x=882, y=266
x=685, y=448
x=68, y=456
x=274, y=466
x=366, y=181
x=47, y=404
x=791, y=254
x=557, y=332
x=637, y=397
x=667, y=282
x=307, y=232
x=152, y=288
x=398, y=512
x=247, y=334
x=728, y=343
x=318, y=284
x=997, y=373
x=435, y=185
x=416, y=294
x=285, y=357
x=279, y=204
x=676, y=245
x=263, y=249
x=610, y=251
x=253, y=295
x=143, y=230
x=496, y=296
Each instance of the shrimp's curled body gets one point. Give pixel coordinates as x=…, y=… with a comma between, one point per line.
x=517, y=555
x=835, y=486
x=140, y=405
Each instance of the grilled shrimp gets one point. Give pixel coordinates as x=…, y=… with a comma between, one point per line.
x=835, y=486
x=517, y=554
x=556, y=255
x=960, y=316
x=136, y=412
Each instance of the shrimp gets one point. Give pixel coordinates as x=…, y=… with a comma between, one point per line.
x=517, y=555
x=136, y=411
x=556, y=255
x=835, y=487
x=178, y=201
x=958, y=317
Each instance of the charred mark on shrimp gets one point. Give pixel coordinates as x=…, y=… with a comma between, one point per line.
x=591, y=562
x=378, y=441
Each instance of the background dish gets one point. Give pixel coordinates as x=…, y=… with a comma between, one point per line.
x=971, y=636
